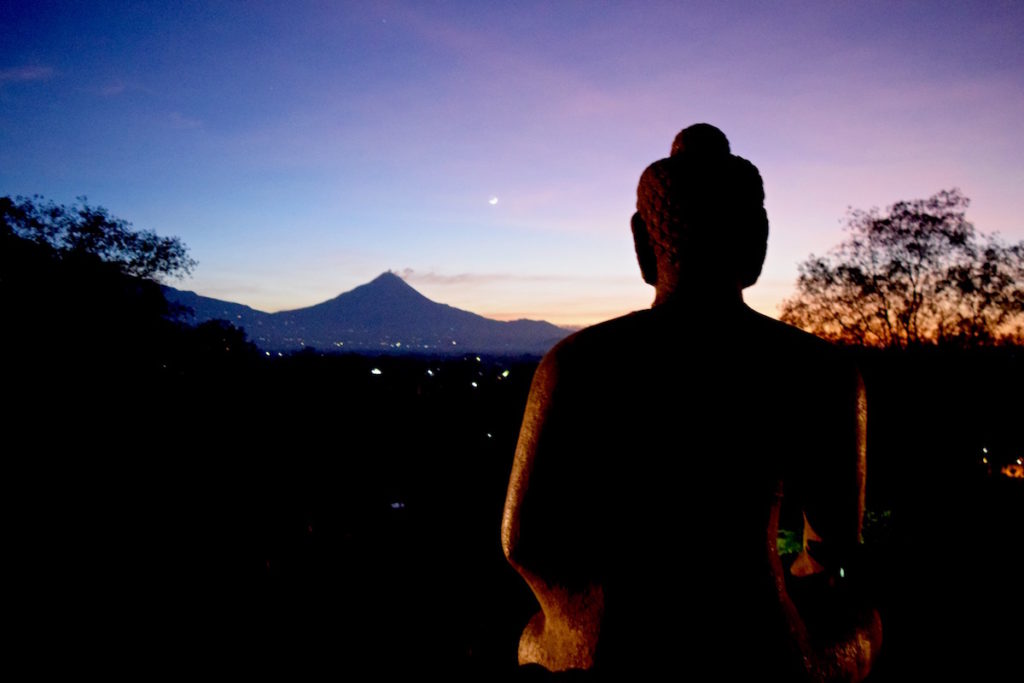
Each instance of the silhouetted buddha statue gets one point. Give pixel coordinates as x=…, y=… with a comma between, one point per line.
x=658, y=448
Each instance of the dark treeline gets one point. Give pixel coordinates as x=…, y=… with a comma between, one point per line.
x=155, y=470
x=946, y=566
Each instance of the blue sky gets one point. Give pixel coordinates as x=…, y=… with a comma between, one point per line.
x=300, y=149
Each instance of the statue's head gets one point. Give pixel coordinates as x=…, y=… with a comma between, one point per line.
x=700, y=212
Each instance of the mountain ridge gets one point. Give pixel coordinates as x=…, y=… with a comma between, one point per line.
x=385, y=315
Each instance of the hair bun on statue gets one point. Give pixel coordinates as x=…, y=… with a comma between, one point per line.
x=702, y=209
x=701, y=140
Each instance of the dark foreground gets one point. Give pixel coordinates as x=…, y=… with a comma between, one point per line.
x=147, y=505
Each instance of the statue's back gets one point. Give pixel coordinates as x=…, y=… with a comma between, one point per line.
x=683, y=434
x=657, y=450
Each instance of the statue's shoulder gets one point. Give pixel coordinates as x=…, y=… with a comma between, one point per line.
x=781, y=333
x=595, y=345
x=816, y=356
x=611, y=336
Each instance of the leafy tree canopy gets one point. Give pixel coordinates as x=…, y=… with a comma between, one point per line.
x=83, y=230
x=915, y=274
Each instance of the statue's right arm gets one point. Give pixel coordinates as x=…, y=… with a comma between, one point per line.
x=831, y=485
x=842, y=631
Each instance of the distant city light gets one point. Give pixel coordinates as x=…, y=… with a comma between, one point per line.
x=279, y=354
x=478, y=359
x=984, y=450
x=473, y=384
x=842, y=573
x=505, y=374
x=489, y=435
x=984, y=461
x=1014, y=471
x=397, y=505
x=375, y=371
x=453, y=342
x=430, y=372
x=267, y=352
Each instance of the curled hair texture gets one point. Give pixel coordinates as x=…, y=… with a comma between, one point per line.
x=704, y=209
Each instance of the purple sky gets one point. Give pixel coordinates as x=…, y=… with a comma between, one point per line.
x=300, y=149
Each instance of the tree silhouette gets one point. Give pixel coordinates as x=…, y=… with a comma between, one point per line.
x=80, y=293
x=916, y=274
x=81, y=231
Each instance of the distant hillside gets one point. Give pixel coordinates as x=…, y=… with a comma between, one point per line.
x=384, y=315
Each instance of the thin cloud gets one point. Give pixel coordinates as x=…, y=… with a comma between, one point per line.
x=21, y=74
x=117, y=87
x=435, y=278
x=182, y=122
x=571, y=317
